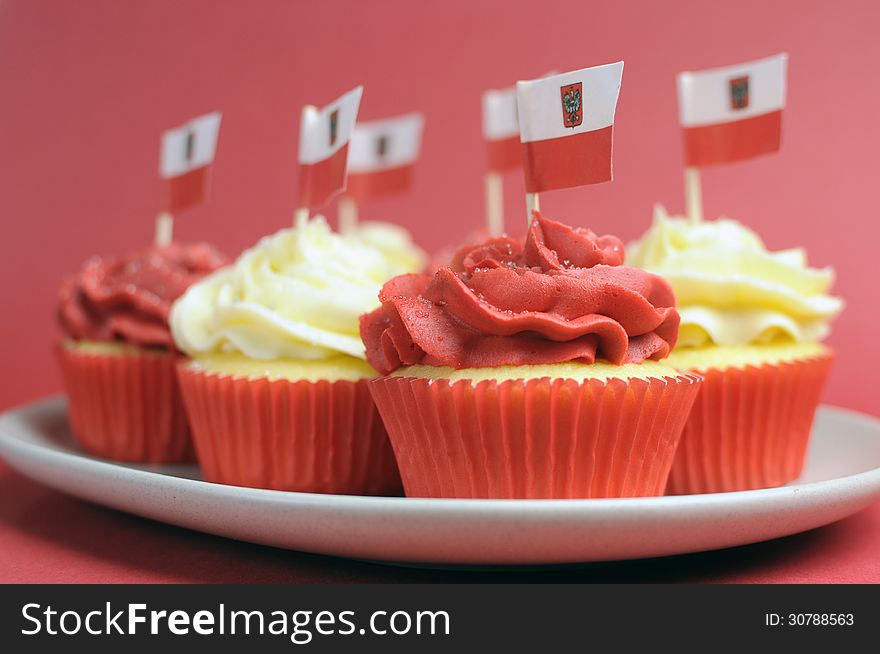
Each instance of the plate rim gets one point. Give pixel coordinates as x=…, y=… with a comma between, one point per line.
x=491, y=533
x=11, y=441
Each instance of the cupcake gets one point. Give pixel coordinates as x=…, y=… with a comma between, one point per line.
x=751, y=325
x=441, y=258
x=394, y=242
x=276, y=384
x=118, y=359
x=530, y=368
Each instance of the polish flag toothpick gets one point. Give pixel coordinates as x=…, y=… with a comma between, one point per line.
x=565, y=125
x=381, y=158
x=324, y=138
x=501, y=129
x=730, y=114
x=185, y=159
x=501, y=132
x=733, y=113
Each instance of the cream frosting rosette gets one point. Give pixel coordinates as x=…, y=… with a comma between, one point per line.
x=394, y=242
x=295, y=295
x=731, y=290
x=276, y=385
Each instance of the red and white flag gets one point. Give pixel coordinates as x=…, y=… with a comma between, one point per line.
x=324, y=135
x=732, y=113
x=565, y=127
x=501, y=129
x=185, y=159
x=382, y=156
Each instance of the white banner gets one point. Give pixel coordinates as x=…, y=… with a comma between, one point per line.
x=324, y=131
x=189, y=146
x=388, y=143
x=722, y=95
x=570, y=103
x=499, y=114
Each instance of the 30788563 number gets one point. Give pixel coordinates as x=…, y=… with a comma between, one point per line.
x=820, y=619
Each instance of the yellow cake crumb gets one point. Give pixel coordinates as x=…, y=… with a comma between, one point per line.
x=740, y=356
x=338, y=368
x=111, y=348
x=600, y=370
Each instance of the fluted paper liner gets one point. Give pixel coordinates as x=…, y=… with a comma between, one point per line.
x=749, y=427
x=319, y=437
x=540, y=438
x=126, y=407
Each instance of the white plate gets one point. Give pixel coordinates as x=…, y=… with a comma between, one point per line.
x=842, y=476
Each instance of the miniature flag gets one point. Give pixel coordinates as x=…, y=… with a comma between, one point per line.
x=382, y=156
x=324, y=135
x=732, y=113
x=185, y=160
x=501, y=129
x=565, y=127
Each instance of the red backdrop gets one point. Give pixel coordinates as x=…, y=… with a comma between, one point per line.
x=88, y=87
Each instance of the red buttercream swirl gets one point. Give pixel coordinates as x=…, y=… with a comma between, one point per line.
x=127, y=299
x=560, y=295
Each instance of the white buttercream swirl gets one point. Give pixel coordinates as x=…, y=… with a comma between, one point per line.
x=296, y=294
x=394, y=242
x=730, y=289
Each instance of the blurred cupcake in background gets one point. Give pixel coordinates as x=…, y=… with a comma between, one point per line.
x=395, y=244
x=530, y=368
x=440, y=258
x=751, y=325
x=276, y=386
x=117, y=356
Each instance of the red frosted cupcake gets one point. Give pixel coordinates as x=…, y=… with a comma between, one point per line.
x=118, y=359
x=530, y=369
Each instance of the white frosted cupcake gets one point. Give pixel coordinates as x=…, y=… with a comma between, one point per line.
x=751, y=325
x=394, y=242
x=275, y=388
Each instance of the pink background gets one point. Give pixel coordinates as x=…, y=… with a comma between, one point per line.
x=87, y=87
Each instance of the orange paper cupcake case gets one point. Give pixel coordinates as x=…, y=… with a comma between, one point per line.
x=319, y=437
x=539, y=438
x=749, y=427
x=126, y=407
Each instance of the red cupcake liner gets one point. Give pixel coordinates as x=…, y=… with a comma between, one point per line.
x=541, y=438
x=749, y=427
x=316, y=437
x=126, y=407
